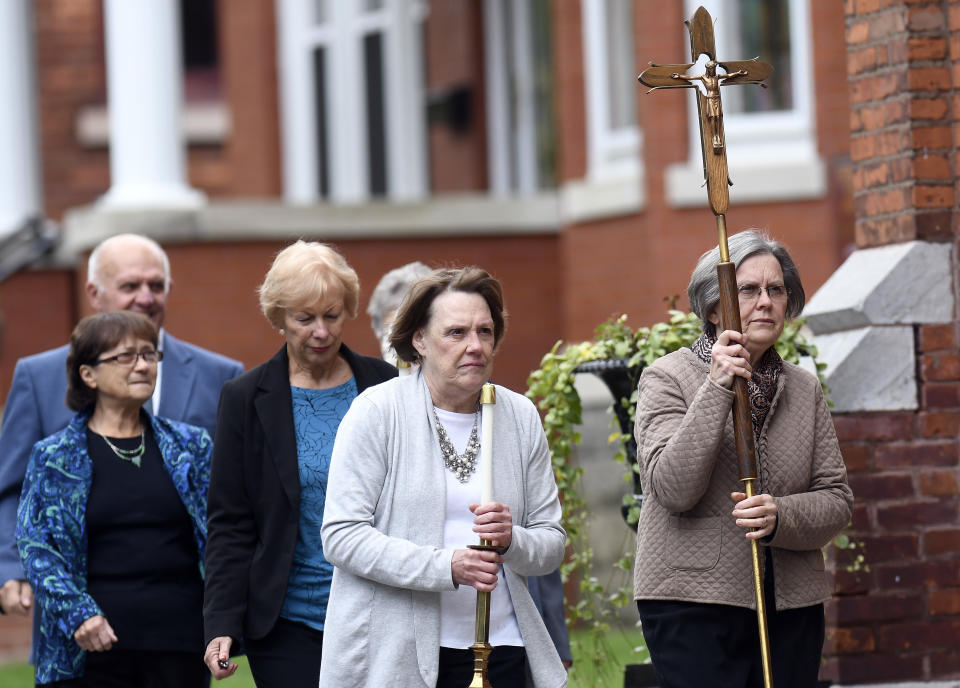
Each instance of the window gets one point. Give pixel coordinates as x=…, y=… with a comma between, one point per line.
x=614, y=183
x=198, y=33
x=611, y=85
x=341, y=63
x=519, y=72
x=770, y=133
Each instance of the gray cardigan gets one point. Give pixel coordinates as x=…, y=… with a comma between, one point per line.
x=383, y=531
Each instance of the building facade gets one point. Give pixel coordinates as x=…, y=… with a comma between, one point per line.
x=513, y=135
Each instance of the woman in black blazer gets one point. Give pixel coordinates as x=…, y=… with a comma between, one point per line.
x=266, y=578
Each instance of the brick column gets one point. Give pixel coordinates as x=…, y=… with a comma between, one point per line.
x=900, y=620
x=901, y=93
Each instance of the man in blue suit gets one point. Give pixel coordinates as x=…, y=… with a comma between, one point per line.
x=125, y=272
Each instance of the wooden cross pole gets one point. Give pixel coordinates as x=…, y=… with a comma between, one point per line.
x=713, y=147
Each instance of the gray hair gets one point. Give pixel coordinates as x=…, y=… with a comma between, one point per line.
x=390, y=292
x=704, y=290
x=96, y=257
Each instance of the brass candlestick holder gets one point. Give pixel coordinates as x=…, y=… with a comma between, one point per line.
x=481, y=646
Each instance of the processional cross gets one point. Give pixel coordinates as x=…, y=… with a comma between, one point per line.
x=714, y=151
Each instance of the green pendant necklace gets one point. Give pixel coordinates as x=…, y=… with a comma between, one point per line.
x=131, y=455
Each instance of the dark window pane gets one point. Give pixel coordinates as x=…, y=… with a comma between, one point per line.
x=376, y=131
x=619, y=53
x=320, y=95
x=543, y=94
x=765, y=33
x=198, y=25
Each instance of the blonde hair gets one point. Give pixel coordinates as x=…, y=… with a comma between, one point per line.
x=302, y=274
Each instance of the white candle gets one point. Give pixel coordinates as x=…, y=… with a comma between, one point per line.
x=488, y=398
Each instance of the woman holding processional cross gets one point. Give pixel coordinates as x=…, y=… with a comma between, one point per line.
x=693, y=579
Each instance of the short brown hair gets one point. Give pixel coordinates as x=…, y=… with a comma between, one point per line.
x=91, y=337
x=415, y=311
x=302, y=274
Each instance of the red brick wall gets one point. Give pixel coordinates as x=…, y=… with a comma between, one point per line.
x=70, y=74
x=36, y=314
x=213, y=301
x=902, y=95
x=901, y=619
x=454, y=58
x=248, y=72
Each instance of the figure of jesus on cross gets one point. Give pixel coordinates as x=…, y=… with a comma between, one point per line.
x=711, y=83
x=735, y=72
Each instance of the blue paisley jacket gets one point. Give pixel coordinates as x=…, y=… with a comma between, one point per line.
x=52, y=529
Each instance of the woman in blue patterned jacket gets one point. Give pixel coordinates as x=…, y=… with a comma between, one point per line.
x=112, y=522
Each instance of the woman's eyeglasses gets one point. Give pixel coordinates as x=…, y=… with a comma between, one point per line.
x=130, y=357
x=751, y=292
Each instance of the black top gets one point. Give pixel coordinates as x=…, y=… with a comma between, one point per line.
x=254, y=500
x=142, y=561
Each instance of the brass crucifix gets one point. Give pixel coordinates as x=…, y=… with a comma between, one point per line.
x=708, y=104
x=715, y=172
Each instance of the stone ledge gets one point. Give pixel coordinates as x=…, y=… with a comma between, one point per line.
x=238, y=220
x=863, y=320
x=909, y=283
x=869, y=369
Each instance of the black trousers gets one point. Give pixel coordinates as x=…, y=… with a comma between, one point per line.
x=286, y=657
x=694, y=644
x=506, y=667
x=142, y=668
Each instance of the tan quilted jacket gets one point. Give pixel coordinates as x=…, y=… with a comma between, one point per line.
x=688, y=544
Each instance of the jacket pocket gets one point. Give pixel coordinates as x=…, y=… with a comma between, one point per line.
x=693, y=544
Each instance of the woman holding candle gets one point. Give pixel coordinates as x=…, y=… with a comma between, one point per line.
x=405, y=499
x=267, y=578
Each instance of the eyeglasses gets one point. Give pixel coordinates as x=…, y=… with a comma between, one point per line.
x=751, y=292
x=130, y=357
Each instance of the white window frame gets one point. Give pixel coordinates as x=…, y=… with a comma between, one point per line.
x=770, y=156
x=400, y=22
x=511, y=150
x=614, y=184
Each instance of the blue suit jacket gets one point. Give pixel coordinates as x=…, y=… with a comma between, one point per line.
x=36, y=408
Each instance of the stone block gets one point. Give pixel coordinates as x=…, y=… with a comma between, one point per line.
x=898, y=284
x=870, y=368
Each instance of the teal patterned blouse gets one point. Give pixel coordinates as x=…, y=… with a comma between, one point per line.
x=52, y=532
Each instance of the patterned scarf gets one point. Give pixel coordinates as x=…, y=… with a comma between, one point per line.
x=762, y=384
